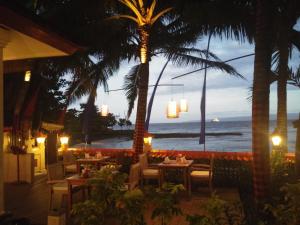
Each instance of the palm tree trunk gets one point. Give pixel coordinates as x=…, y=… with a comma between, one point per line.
x=138, y=142
x=281, y=85
x=260, y=101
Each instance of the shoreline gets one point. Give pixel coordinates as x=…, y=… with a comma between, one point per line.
x=129, y=134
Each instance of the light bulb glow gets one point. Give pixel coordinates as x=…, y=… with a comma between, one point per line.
x=27, y=76
x=276, y=140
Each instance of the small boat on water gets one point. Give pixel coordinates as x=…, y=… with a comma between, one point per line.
x=215, y=120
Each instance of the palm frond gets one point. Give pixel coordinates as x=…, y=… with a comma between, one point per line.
x=131, y=87
x=160, y=14
x=294, y=78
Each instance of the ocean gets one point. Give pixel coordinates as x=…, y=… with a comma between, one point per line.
x=227, y=143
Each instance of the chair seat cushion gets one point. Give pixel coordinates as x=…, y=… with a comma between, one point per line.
x=200, y=173
x=60, y=187
x=71, y=168
x=150, y=172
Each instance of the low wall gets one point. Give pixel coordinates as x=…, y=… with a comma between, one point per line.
x=161, y=153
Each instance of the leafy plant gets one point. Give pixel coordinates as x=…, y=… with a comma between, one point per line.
x=286, y=211
x=218, y=212
x=110, y=202
x=165, y=202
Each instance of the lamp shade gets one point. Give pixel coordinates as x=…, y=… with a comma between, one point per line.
x=64, y=140
x=27, y=76
x=172, y=110
x=40, y=139
x=148, y=138
x=184, y=105
x=104, y=110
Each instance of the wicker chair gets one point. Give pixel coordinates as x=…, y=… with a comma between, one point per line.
x=201, y=173
x=148, y=172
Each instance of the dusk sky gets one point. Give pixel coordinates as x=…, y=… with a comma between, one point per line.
x=226, y=95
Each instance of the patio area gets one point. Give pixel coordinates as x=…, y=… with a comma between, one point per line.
x=31, y=201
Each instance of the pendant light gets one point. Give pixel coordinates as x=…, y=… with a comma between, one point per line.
x=104, y=110
x=172, y=110
x=183, y=105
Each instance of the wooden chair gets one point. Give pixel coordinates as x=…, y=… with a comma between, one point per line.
x=201, y=172
x=148, y=172
x=134, y=176
x=69, y=162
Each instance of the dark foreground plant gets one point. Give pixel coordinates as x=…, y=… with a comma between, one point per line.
x=110, y=202
x=286, y=211
x=218, y=212
x=165, y=202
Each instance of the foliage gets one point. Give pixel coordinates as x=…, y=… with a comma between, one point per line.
x=218, y=212
x=286, y=211
x=110, y=201
x=165, y=202
x=121, y=122
x=99, y=125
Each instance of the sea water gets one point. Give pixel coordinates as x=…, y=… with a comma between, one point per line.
x=226, y=143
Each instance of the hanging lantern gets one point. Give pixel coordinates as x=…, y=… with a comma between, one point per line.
x=172, y=110
x=183, y=105
x=27, y=76
x=104, y=110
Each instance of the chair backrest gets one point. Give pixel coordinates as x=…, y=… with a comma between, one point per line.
x=68, y=157
x=134, y=175
x=143, y=161
x=55, y=171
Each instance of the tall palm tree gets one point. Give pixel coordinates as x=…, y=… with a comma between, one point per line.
x=260, y=101
x=144, y=18
x=286, y=17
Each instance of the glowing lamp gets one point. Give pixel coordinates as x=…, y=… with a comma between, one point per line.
x=104, y=110
x=64, y=140
x=148, y=139
x=276, y=138
x=27, y=76
x=183, y=105
x=40, y=139
x=172, y=110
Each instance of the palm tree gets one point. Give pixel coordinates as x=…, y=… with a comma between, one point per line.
x=286, y=17
x=144, y=18
x=260, y=101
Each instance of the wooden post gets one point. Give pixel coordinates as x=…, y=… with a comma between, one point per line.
x=297, y=148
x=4, y=38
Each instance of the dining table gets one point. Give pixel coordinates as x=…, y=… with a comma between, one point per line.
x=175, y=164
x=97, y=162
